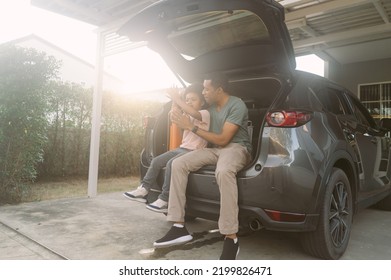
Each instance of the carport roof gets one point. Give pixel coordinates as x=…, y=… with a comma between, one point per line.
x=343, y=31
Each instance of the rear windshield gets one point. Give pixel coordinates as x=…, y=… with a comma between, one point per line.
x=203, y=33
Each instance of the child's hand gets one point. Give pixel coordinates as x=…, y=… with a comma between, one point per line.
x=174, y=105
x=181, y=119
x=174, y=113
x=174, y=94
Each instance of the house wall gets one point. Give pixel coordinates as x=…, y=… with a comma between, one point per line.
x=351, y=75
x=73, y=69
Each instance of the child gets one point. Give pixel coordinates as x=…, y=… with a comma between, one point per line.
x=194, y=102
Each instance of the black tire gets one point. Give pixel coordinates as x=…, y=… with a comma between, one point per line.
x=384, y=204
x=331, y=238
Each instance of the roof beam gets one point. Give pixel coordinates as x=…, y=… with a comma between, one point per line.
x=293, y=3
x=85, y=11
x=309, y=31
x=301, y=24
x=323, y=8
x=340, y=36
x=380, y=9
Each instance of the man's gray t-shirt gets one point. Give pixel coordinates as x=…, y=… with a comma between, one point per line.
x=235, y=112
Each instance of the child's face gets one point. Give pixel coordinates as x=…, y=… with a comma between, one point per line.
x=194, y=100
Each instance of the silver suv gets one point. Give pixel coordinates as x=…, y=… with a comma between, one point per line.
x=318, y=155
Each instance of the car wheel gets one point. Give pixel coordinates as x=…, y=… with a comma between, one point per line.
x=384, y=204
x=330, y=239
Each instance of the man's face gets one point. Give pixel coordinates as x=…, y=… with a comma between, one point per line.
x=209, y=92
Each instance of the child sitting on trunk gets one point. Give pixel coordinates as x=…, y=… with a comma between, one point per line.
x=194, y=102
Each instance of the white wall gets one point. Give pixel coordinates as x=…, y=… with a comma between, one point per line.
x=353, y=74
x=73, y=68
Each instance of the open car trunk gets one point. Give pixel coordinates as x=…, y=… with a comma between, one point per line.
x=258, y=93
x=246, y=40
x=196, y=37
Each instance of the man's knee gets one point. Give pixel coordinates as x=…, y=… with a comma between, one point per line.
x=178, y=163
x=224, y=173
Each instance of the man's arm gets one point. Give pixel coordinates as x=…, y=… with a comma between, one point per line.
x=224, y=138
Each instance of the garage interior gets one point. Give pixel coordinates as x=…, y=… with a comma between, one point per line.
x=353, y=37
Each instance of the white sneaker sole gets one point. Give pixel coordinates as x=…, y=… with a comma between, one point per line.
x=179, y=241
x=164, y=210
x=138, y=199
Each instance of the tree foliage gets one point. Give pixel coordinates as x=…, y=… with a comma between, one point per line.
x=24, y=85
x=69, y=119
x=122, y=134
x=67, y=150
x=45, y=125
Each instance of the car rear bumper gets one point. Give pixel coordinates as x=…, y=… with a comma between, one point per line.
x=252, y=217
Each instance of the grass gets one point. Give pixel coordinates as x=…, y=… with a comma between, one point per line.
x=76, y=188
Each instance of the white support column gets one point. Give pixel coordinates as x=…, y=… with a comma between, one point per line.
x=96, y=118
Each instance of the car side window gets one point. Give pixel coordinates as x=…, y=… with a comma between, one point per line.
x=362, y=114
x=332, y=101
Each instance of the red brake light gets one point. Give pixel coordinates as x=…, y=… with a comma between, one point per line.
x=285, y=216
x=288, y=118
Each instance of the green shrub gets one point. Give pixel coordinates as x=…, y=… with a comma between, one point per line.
x=45, y=125
x=24, y=87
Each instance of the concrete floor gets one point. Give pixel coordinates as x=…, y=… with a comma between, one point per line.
x=111, y=227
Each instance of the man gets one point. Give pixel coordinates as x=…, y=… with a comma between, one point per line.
x=230, y=153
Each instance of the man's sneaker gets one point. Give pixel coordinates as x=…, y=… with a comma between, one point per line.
x=139, y=194
x=175, y=236
x=158, y=205
x=230, y=249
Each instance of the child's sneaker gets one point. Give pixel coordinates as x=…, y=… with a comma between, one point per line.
x=158, y=205
x=177, y=235
x=139, y=194
x=230, y=249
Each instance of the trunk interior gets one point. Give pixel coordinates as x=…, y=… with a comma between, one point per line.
x=257, y=93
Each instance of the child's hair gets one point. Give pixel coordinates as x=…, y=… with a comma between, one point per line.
x=196, y=88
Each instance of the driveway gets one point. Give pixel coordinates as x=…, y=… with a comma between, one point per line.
x=110, y=227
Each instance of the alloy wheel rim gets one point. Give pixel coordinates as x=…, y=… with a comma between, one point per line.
x=339, y=215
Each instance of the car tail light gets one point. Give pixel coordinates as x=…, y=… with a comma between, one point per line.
x=288, y=118
x=285, y=216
